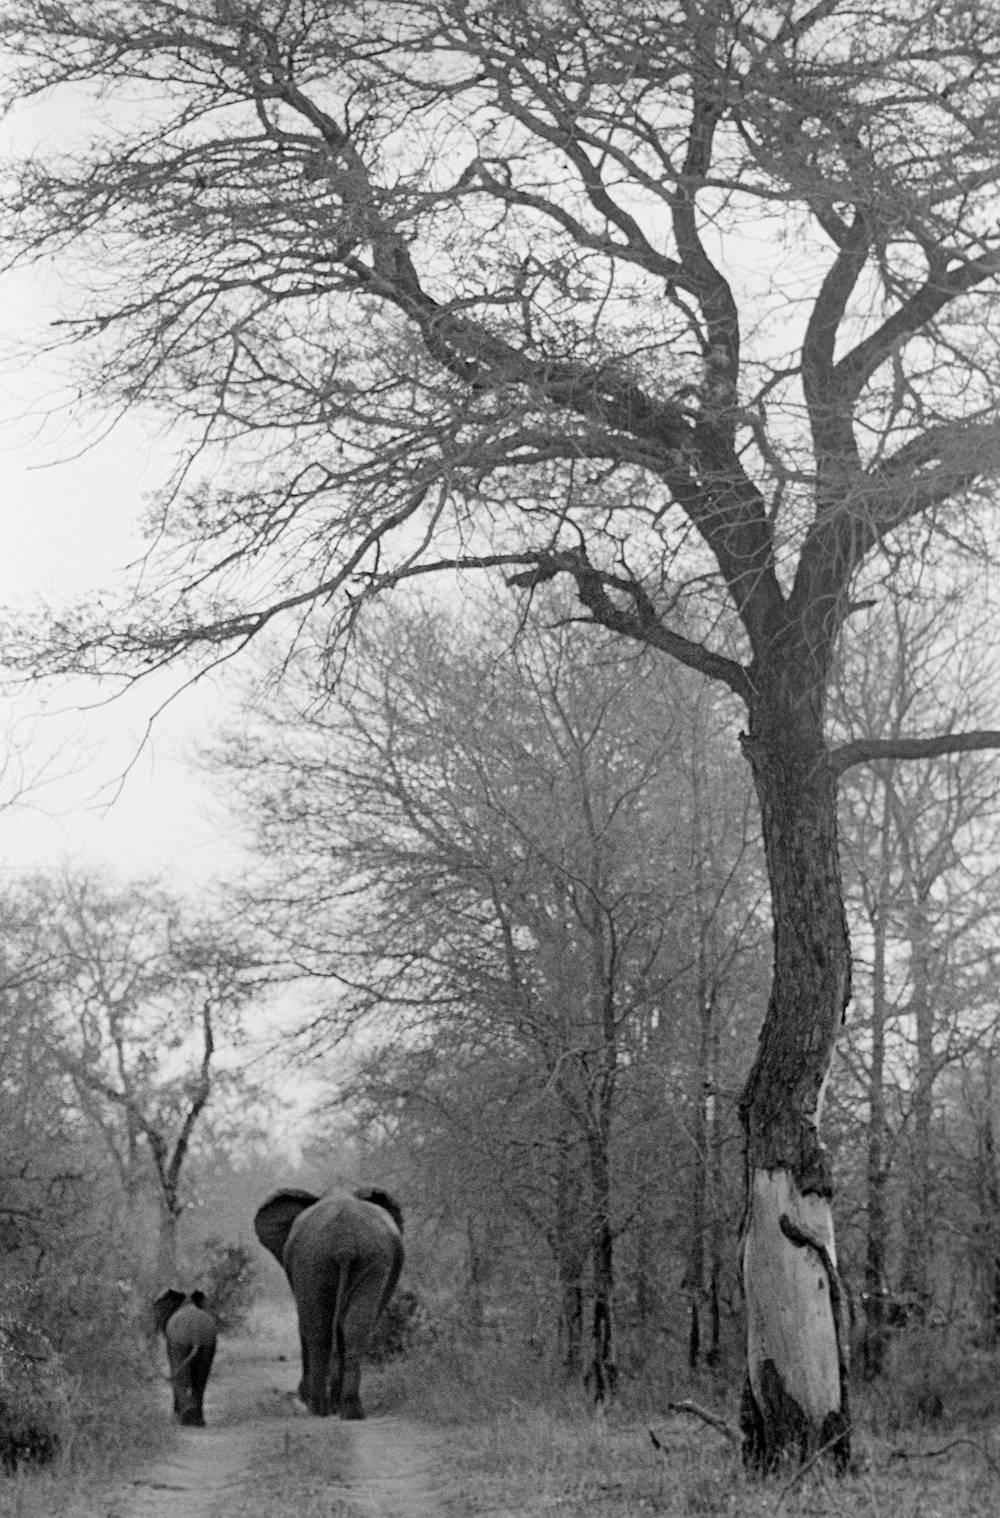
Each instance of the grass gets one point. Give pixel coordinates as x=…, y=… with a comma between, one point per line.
x=522, y=1458
x=502, y=1443
x=532, y=1464
x=117, y=1426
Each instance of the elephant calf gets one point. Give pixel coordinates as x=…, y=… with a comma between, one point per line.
x=342, y=1254
x=190, y=1332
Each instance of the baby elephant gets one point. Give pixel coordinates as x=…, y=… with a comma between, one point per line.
x=190, y=1333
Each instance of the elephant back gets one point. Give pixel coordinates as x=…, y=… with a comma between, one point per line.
x=274, y=1218
x=177, y=1313
x=192, y=1327
x=166, y=1305
x=383, y=1199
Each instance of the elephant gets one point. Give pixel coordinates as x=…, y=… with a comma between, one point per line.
x=191, y=1333
x=342, y=1254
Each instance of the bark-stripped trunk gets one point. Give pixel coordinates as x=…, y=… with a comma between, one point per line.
x=796, y=1396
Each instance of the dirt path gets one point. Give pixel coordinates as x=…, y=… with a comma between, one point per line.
x=392, y=1470
x=382, y=1468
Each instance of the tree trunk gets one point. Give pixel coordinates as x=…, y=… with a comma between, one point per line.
x=473, y=1305
x=796, y=1395
x=166, y=1251
x=989, y=1206
x=603, y=1375
x=571, y=1325
x=695, y=1272
x=563, y=1239
x=876, y=1330
x=915, y=1277
x=714, y=1199
x=703, y=1098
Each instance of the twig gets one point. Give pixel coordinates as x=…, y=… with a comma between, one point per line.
x=803, y=1470
x=712, y=1419
x=946, y=1449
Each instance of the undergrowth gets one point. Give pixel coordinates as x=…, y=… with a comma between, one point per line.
x=509, y=1440
x=114, y=1423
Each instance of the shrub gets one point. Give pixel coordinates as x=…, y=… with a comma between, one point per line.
x=228, y=1276
x=403, y=1326
x=35, y=1395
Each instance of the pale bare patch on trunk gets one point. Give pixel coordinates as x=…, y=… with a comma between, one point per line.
x=795, y=1349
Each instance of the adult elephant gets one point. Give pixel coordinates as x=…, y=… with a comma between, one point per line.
x=342, y=1254
x=191, y=1333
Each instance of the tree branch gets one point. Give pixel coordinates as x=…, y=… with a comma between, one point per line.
x=867, y=750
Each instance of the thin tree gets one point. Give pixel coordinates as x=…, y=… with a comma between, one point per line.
x=920, y=845
x=141, y=999
x=691, y=304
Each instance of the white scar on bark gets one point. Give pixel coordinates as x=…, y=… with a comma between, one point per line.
x=814, y=1117
x=790, y=1317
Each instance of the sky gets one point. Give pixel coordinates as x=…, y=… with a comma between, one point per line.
x=85, y=778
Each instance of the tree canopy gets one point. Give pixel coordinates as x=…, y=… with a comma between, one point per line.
x=683, y=301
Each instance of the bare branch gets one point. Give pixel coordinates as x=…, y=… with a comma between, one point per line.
x=868, y=750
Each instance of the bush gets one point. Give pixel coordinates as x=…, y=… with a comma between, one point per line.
x=403, y=1326
x=35, y=1395
x=228, y=1276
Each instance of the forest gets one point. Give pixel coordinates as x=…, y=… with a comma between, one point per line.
x=583, y=448
x=519, y=888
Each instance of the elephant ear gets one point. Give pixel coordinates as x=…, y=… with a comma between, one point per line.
x=274, y=1218
x=165, y=1306
x=384, y=1200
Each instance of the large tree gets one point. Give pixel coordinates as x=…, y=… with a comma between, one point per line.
x=689, y=302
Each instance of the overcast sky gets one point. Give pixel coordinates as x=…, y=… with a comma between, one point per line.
x=100, y=789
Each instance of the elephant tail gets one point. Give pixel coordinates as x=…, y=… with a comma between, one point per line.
x=345, y=1290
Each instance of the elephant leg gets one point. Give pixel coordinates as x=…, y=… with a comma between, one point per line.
x=184, y=1397
x=179, y=1382
x=315, y=1335
x=353, y=1335
x=200, y=1369
x=304, y=1379
x=335, y=1378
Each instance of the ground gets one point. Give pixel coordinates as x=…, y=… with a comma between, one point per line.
x=260, y=1441
x=455, y=1443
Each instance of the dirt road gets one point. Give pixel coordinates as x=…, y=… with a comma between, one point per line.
x=380, y=1468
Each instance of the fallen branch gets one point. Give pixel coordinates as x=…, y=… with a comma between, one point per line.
x=712, y=1419
x=945, y=1449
